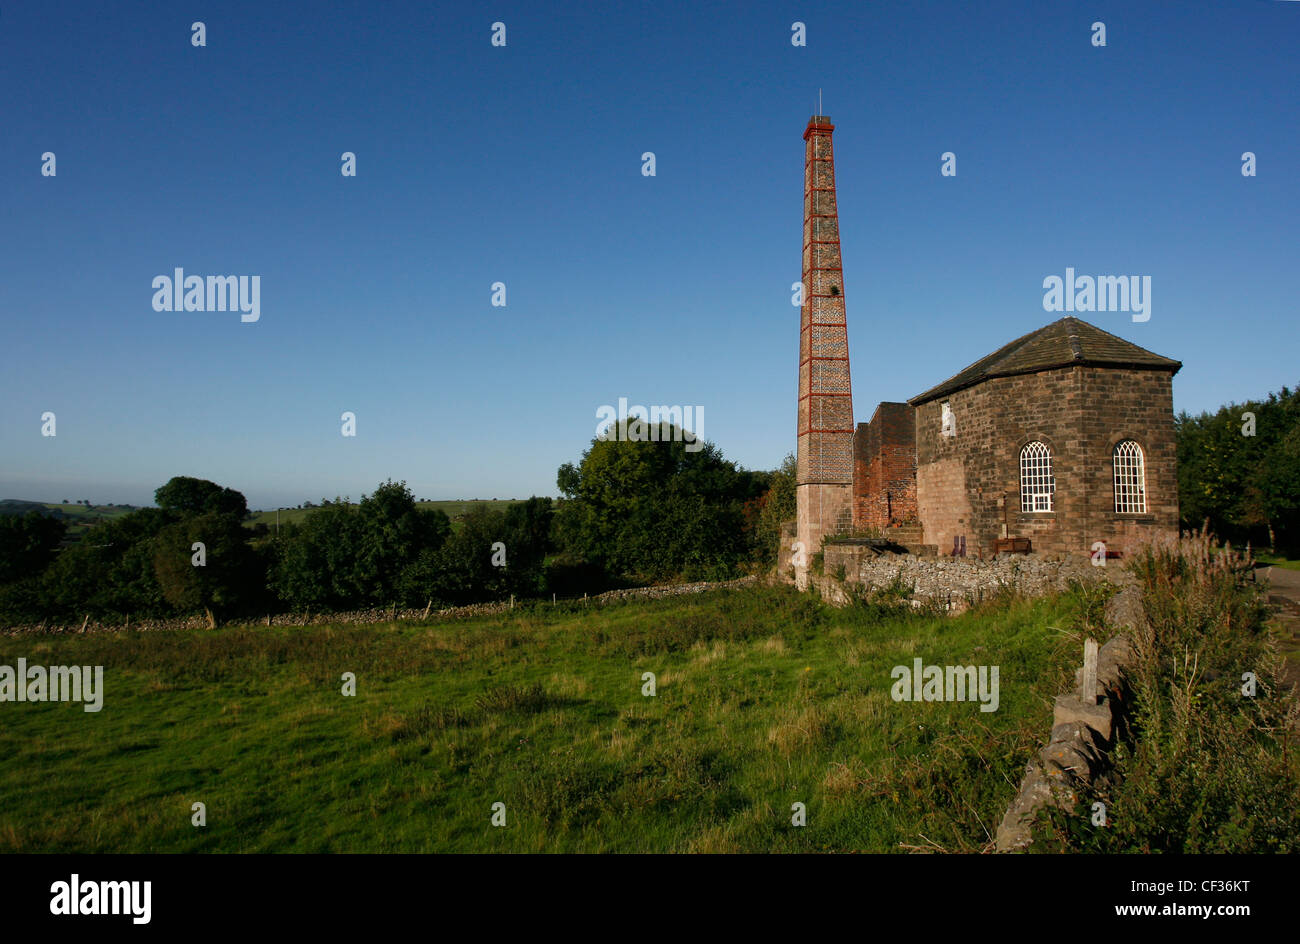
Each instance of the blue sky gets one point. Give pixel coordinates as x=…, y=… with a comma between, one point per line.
x=522, y=164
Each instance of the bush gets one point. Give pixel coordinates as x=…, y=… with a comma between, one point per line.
x=27, y=544
x=345, y=556
x=110, y=572
x=777, y=506
x=1204, y=770
x=492, y=555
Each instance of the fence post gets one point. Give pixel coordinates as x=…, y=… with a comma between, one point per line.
x=1089, y=682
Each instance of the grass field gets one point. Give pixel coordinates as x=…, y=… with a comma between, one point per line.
x=91, y=513
x=765, y=697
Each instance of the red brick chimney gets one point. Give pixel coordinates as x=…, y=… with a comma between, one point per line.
x=825, y=477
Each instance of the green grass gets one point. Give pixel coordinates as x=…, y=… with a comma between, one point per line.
x=453, y=509
x=91, y=511
x=765, y=697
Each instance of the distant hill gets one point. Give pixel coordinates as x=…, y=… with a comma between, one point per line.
x=16, y=506
x=455, y=510
x=79, y=518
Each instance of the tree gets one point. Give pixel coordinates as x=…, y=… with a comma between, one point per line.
x=528, y=539
x=138, y=564
x=1246, y=486
x=315, y=560
x=186, y=495
x=229, y=575
x=654, y=510
x=394, y=531
x=461, y=571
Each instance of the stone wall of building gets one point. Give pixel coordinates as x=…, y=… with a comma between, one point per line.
x=823, y=511
x=969, y=483
x=1137, y=405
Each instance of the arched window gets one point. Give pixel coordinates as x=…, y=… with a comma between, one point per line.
x=1130, y=479
x=1036, y=482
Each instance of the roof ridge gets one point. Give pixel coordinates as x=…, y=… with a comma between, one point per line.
x=1124, y=340
x=1076, y=346
x=1062, y=343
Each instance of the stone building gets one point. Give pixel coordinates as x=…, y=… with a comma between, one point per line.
x=1056, y=441
x=1062, y=438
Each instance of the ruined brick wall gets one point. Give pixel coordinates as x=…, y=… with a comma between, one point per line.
x=1080, y=413
x=884, y=468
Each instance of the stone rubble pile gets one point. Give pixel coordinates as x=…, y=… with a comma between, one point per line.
x=964, y=580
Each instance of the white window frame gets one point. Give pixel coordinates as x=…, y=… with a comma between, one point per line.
x=1130, y=468
x=1037, y=484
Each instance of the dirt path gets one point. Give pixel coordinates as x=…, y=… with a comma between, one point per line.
x=1284, y=594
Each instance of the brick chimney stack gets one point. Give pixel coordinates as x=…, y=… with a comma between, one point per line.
x=825, y=475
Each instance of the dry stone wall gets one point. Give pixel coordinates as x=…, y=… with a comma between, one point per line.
x=377, y=615
x=1085, y=725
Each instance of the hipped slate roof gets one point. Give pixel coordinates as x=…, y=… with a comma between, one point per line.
x=1065, y=343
